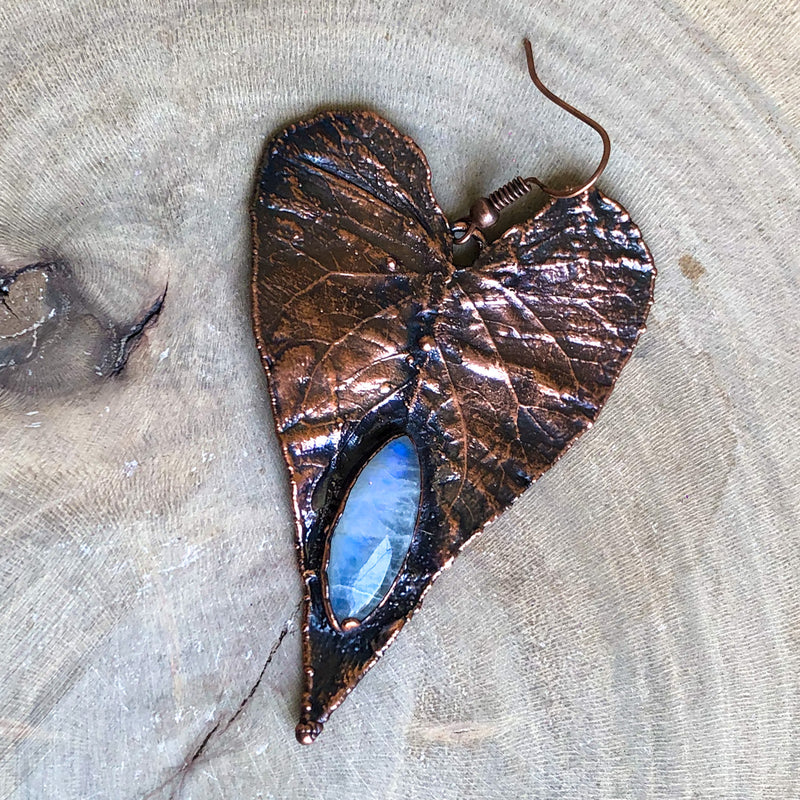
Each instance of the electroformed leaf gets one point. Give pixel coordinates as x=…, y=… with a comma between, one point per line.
x=369, y=333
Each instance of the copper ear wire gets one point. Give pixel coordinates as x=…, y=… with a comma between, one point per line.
x=486, y=210
x=575, y=113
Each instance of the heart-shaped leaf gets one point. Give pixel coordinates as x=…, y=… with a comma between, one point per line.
x=368, y=331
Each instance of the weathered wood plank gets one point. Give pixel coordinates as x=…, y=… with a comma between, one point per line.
x=626, y=630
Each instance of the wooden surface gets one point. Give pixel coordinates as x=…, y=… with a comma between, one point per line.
x=627, y=630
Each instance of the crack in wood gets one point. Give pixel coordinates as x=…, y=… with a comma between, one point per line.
x=129, y=340
x=4, y=301
x=219, y=728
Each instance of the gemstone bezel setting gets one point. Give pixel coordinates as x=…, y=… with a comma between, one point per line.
x=352, y=624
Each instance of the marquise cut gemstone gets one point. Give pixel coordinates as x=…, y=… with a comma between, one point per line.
x=373, y=533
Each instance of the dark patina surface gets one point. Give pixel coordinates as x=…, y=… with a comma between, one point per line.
x=367, y=329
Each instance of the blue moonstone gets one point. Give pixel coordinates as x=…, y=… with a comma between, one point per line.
x=373, y=533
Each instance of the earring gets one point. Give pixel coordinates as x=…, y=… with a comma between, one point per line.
x=415, y=400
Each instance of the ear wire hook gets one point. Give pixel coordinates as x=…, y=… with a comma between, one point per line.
x=485, y=210
x=575, y=113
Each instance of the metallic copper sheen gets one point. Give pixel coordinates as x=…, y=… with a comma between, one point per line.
x=485, y=211
x=585, y=118
x=367, y=330
x=307, y=732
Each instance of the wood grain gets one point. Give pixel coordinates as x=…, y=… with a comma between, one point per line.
x=628, y=629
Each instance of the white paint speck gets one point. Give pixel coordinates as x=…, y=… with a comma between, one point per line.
x=163, y=354
x=130, y=467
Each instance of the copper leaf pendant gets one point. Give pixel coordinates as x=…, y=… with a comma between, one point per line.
x=384, y=358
